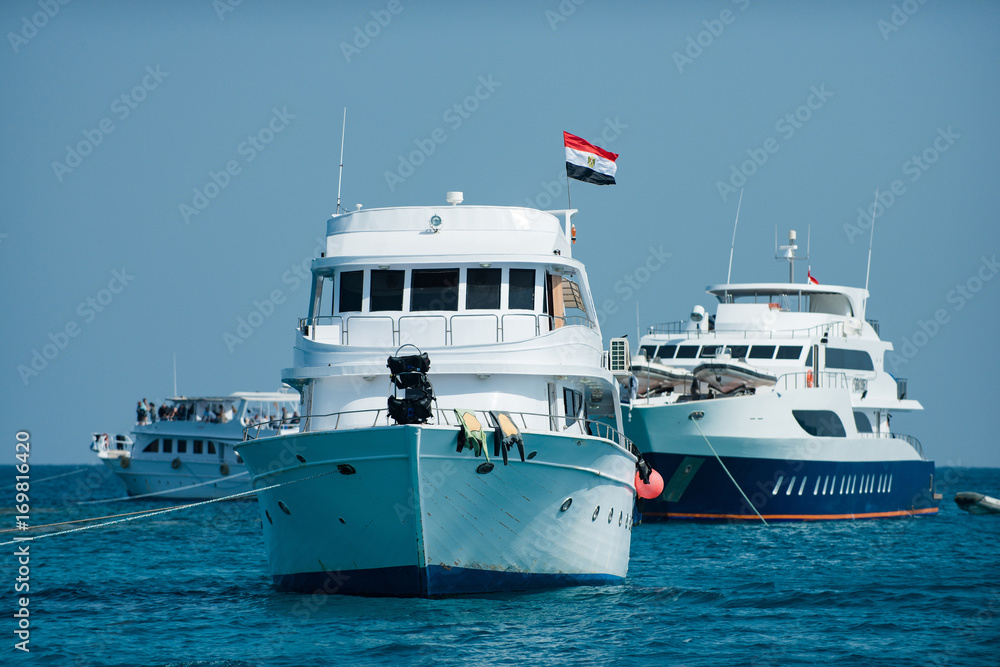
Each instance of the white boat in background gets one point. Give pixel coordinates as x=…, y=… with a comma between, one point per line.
x=788, y=416
x=191, y=454
x=399, y=496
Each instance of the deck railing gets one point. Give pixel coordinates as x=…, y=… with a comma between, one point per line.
x=913, y=442
x=678, y=329
x=825, y=379
x=380, y=416
x=434, y=330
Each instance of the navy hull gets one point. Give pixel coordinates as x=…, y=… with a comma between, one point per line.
x=697, y=488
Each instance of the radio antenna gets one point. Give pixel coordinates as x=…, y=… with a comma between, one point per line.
x=733, y=246
x=871, y=240
x=341, y=176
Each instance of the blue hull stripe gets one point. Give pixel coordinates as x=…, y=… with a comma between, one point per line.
x=710, y=494
x=431, y=582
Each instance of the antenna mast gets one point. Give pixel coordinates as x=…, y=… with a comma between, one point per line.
x=733, y=246
x=175, y=373
x=341, y=176
x=871, y=240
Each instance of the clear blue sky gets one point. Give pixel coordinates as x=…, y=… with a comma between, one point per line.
x=115, y=113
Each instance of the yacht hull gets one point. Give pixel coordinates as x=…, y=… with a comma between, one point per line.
x=189, y=481
x=397, y=511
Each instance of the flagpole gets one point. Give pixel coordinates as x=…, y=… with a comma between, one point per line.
x=569, y=198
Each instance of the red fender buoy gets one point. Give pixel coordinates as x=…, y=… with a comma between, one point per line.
x=651, y=490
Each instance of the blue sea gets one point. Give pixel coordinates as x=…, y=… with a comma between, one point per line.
x=191, y=588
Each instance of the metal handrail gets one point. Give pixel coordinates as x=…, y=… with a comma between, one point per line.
x=823, y=379
x=592, y=426
x=835, y=328
x=567, y=320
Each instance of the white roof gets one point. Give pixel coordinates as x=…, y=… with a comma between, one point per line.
x=855, y=295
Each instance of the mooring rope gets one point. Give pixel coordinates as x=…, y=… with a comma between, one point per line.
x=132, y=516
x=45, y=479
x=725, y=468
x=159, y=493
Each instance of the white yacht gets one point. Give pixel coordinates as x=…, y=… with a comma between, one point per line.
x=784, y=414
x=190, y=453
x=485, y=455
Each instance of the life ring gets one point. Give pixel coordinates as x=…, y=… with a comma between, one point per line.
x=176, y=463
x=224, y=469
x=123, y=461
x=809, y=378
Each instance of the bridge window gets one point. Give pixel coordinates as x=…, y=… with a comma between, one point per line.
x=152, y=447
x=573, y=402
x=522, y=289
x=855, y=360
x=821, y=423
x=738, y=351
x=709, y=351
x=387, y=290
x=434, y=289
x=648, y=351
x=351, y=283
x=198, y=446
x=762, y=352
x=483, y=289
x=862, y=423
x=182, y=446
x=666, y=351
x=168, y=445
x=687, y=352
x=789, y=352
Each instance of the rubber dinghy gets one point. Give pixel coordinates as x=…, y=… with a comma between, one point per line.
x=723, y=373
x=977, y=503
x=656, y=376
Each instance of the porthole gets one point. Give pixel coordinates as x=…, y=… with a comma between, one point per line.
x=532, y=454
x=565, y=505
x=596, y=512
x=621, y=517
x=300, y=458
x=345, y=469
x=269, y=519
x=284, y=508
x=342, y=520
x=484, y=468
x=611, y=514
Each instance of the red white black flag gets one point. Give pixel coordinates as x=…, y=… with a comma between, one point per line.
x=588, y=163
x=812, y=281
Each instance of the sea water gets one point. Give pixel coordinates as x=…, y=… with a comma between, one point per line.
x=191, y=588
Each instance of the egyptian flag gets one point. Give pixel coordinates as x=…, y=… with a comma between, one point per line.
x=812, y=281
x=588, y=163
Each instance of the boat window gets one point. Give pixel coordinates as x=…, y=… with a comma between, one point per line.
x=522, y=289
x=351, y=284
x=648, y=351
x=789, y=352
x=809, y=357
x=738, y=351
x=821, y=423
x=152, y=447
x=211, y=447
x=855, y=360
x=182, y=446
x=861, y=421
x=573, y=402
x=387, y=290
x=666, y=351
x=482, y=289
x=709, y=351
x=168, y=445
x=197, y=447
x=687, y=352
x=434, y=289
x=762, y=352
